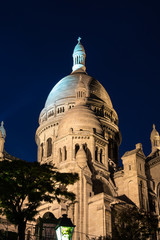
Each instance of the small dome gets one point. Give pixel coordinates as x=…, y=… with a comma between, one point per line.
x=78, y=48
x=3, y=131
x=154, y=133
x=79, y=118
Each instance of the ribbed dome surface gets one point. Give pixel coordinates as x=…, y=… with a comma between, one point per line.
x=65, y=89
x=79, y=118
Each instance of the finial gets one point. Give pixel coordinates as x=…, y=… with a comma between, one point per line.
x=79, y=39
x=154, y=126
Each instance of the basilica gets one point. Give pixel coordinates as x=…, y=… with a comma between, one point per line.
x=78, y=132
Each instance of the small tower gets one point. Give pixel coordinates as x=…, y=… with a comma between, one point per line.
x=2, y=139
x=134, y=179
x=79, y=56
x=155, y=139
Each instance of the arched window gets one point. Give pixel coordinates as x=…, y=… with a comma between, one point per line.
x=60, y=155
x=42, y=151
x=158, y=196
x=96, y=154
x=49, y=147
x=141, y=194
x=65, y=153
x=76, y=149
x=100, y=156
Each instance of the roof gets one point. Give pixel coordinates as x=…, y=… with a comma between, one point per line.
x=135, y=151
x=125, y=199
x=8, y=156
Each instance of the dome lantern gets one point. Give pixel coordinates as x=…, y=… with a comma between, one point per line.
x=79, y=56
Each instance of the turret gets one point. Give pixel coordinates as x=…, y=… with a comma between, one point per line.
x=2, y=139
x=155, y=139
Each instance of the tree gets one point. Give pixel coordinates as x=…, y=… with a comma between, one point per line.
x=24, y=185
x=132, y=223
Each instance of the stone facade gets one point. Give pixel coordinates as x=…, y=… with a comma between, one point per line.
x=78, y=132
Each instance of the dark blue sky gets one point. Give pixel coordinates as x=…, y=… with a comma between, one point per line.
x=122, y=43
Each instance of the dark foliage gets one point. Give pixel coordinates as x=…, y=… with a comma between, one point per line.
x=134, y=224
x=24, y=185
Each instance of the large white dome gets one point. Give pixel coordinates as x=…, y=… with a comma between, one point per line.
x=65, y=89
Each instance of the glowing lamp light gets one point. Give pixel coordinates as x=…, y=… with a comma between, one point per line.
x=65, y=228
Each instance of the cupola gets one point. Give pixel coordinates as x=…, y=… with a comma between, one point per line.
x=79, y=56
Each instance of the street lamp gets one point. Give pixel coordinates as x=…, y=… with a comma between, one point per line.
x=65, y=228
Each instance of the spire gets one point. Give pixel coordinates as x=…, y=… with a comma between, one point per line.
x=2, y=130
x=155, y=139
x=79, y=56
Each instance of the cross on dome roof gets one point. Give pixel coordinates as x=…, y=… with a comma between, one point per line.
x=79, y=39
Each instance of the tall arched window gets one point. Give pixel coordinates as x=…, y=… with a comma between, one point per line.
x=65, y=153
x=60, y=155
x=158, y=197
x=96, y=154
x=76, y=149
x=141, y=194
x=100, y=156
x=49, y=147
x=42, y=151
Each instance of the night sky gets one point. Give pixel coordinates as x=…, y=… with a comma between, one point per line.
x=122, y=44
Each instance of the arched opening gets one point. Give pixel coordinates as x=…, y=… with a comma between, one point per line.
x=49, y=147
x=100, y=156
x=65, y=153
x=76, y=149
x=158, y=197
x=96, y=154
x=42, y=151
x=141, y=194
x=60, y=155
x=45, y=228
x=99, y=187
